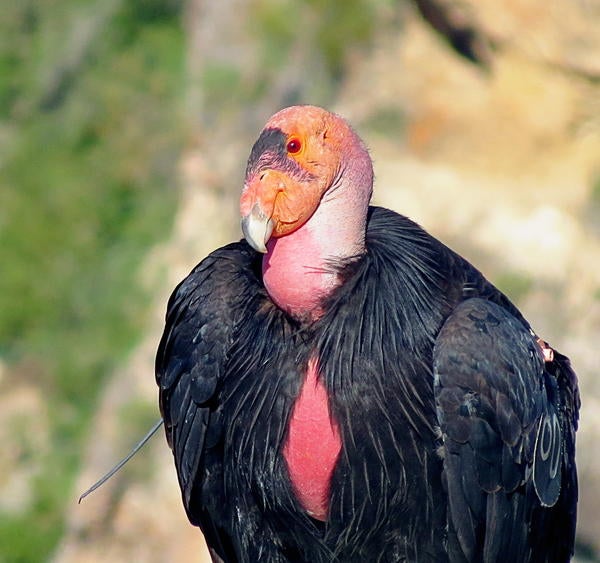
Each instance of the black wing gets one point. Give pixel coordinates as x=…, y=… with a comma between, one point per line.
x=508, y=422
x=202, y=314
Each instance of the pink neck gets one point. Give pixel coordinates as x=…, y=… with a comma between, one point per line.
x=296, y=269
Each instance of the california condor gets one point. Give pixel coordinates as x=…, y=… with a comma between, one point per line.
x=341, y=386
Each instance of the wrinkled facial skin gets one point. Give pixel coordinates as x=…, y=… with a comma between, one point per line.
x=287, y=175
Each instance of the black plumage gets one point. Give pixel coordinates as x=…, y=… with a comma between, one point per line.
x=457, y=436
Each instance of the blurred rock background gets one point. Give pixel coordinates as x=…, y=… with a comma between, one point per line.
x=124, y=129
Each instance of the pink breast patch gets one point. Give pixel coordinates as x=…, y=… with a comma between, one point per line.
x=313, y=446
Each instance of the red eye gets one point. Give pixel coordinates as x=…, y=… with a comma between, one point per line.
x=294, y=145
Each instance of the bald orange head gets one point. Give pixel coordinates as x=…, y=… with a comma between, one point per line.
x=299, y=156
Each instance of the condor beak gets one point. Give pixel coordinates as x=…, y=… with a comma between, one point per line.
x=257, y=228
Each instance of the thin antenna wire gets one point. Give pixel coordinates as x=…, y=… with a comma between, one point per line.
x=116, y=468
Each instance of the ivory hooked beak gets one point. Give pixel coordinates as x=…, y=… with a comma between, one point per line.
x=257, y=228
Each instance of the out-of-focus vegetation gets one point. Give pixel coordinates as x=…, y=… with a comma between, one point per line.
x=89, y=136
x=91, y=127
x=328, y=28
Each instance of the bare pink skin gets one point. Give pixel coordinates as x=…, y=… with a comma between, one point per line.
x=547, y=351
x=295, y=268
x=312, y=446
x=297, y=276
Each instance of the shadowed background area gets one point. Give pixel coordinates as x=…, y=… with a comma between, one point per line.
x=124, y=131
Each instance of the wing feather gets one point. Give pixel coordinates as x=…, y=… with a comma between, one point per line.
x=202, y=315
x=504, y=427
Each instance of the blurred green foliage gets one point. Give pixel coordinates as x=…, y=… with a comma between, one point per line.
x=90, y=131
x=331, y=29
x=91, y=125
x=516, y=285
x=389, y=122
x=315, y=37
